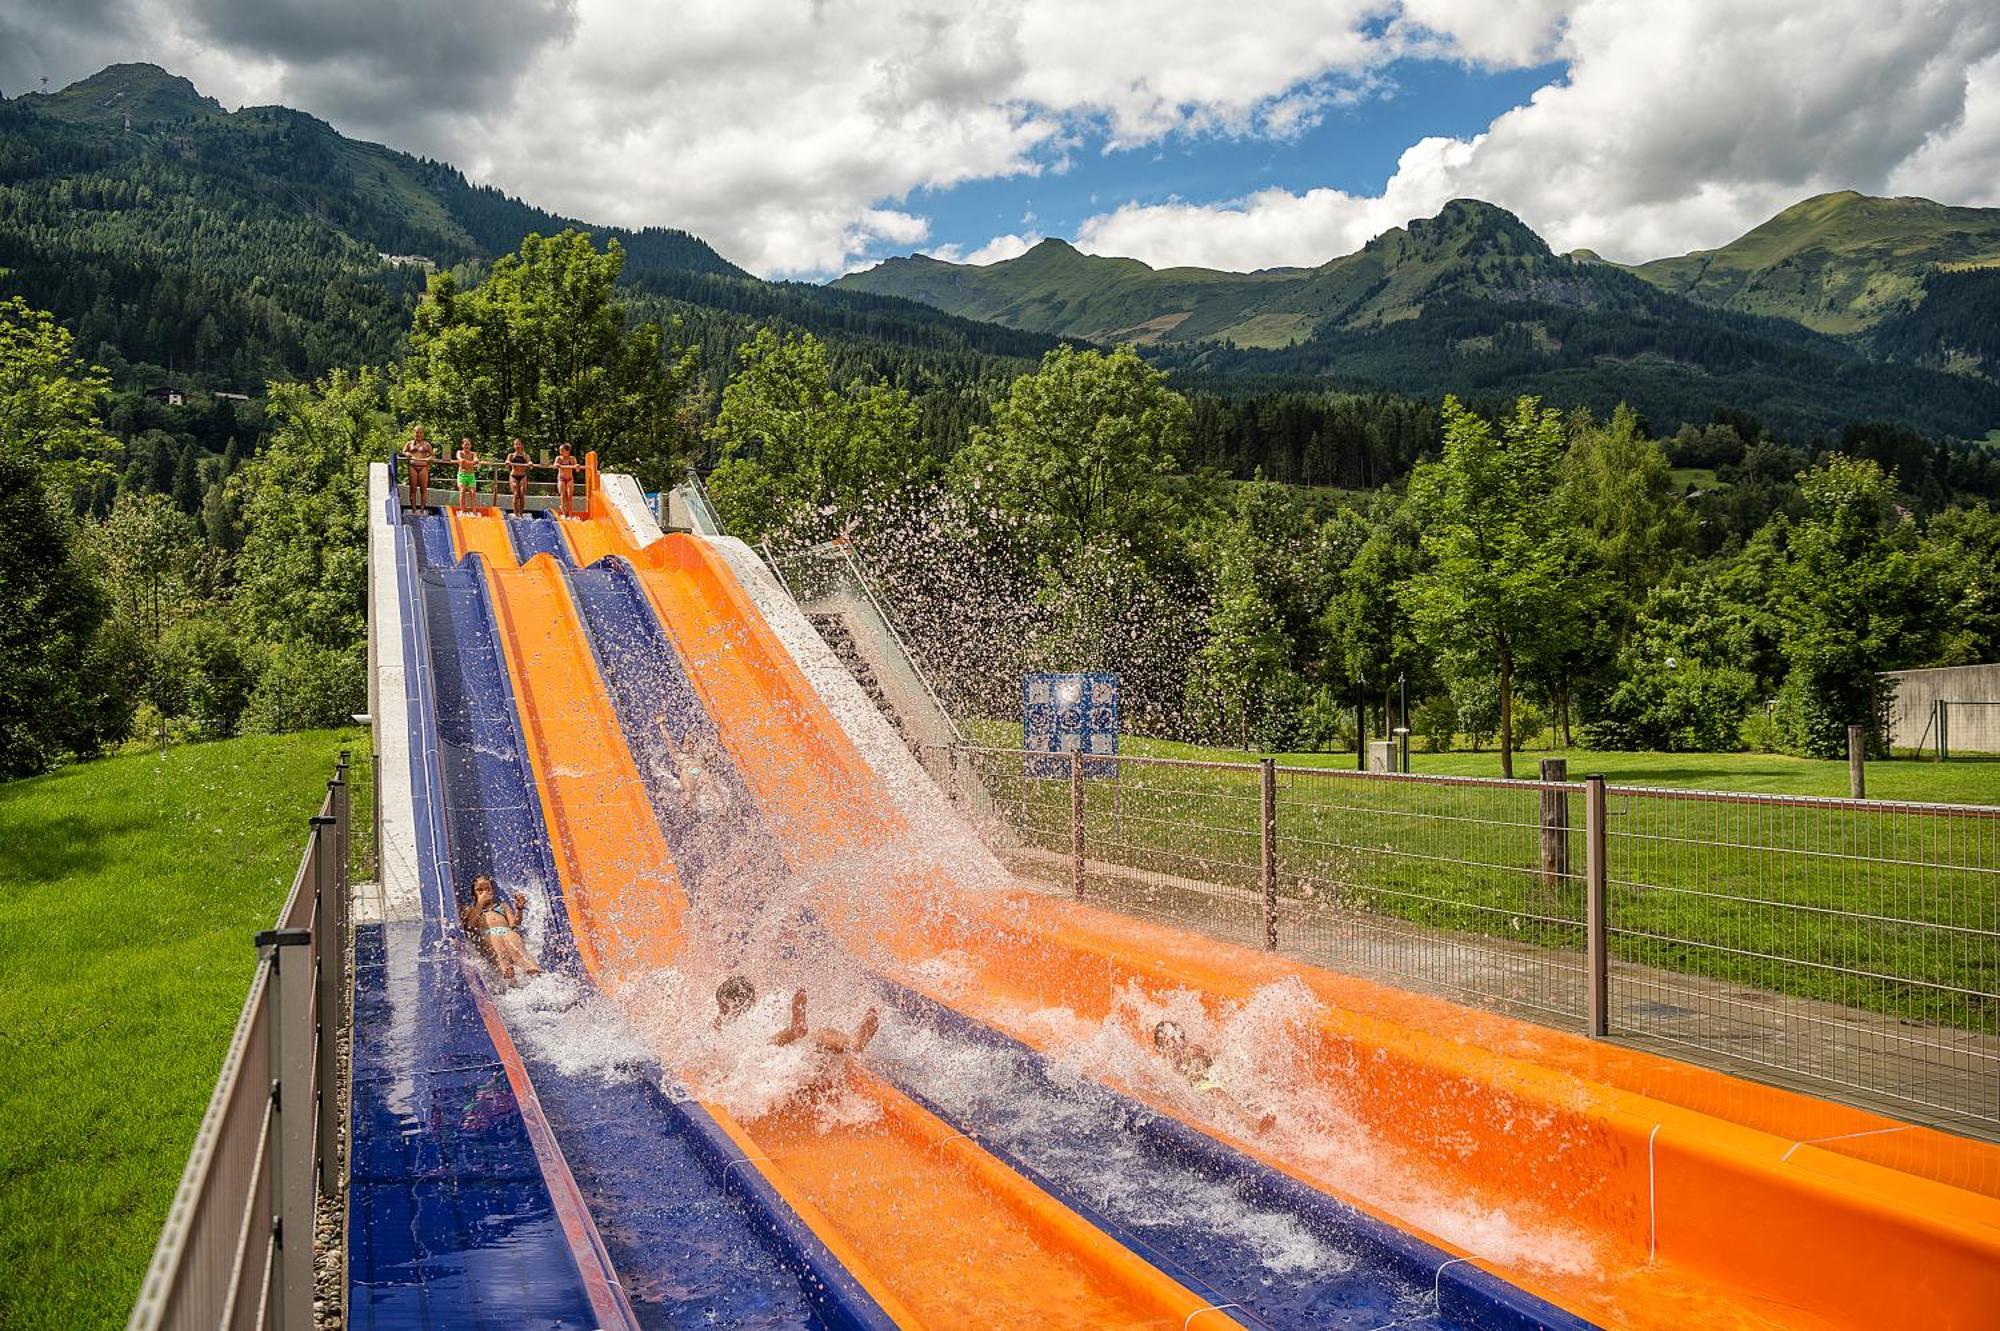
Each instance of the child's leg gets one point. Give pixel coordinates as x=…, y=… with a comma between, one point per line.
x=521, y=957
x=865, y=1032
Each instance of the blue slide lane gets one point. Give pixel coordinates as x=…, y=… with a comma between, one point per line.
x=451, y=1222
x=539, y=534
x=1220, y=1223
x=685, y=1249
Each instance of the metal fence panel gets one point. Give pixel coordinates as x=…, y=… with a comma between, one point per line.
x=1849, y=946
x=1851, y=942
x=237, y=1248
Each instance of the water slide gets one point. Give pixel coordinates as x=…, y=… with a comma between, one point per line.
x=1435, y=1167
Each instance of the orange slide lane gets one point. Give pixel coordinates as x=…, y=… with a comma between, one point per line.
x=1726, y=1197
x=481, y=531
x=623, y=895
x=939, y=1232
x=818, y=795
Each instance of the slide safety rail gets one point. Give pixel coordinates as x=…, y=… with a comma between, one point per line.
x=237, y=1249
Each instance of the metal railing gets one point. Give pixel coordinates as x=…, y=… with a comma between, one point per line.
x=1849, y=945
x=237, y=1249
x=543, y=490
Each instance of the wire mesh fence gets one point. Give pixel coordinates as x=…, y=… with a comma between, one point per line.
x=1967, y=726
x=1851, y=944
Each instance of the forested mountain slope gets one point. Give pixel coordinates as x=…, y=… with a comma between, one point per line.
x=1471, y=301
x=1838, y=263
x=227, y=248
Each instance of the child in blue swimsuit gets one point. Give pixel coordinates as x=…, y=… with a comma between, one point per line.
x=495, y=927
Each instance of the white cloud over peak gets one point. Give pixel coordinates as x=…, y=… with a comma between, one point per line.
x=993, y=251
x=1678, y=126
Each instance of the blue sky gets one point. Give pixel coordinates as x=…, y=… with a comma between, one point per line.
x=1353, y=148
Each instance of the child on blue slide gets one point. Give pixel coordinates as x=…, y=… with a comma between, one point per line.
x=494, y=925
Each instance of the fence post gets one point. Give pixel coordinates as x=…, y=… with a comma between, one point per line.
x=1943, y=728
x=328, y=953
x=1857, y=757
x=375, y=818
x=1555, y=835
x=1076, y=823
x=289, y=1147
x=1267, y=781
x=1596, y=955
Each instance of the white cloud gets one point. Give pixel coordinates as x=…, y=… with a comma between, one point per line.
x=993, y=251
x=798, y=135
x=1960, y=161
x=1678, y=126
x=784, y=131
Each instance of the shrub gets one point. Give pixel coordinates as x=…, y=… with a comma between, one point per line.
x=211, y=676
x=305, y=686
x=1684, y=707
x=1435, y=722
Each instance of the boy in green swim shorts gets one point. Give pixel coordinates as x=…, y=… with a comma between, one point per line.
x=468, y=475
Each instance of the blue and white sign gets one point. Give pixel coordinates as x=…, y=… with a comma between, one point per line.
x=1073, y=713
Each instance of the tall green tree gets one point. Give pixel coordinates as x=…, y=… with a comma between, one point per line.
x=1089, y=443
x=1495, y=547
x=301, y=574
x=48, y=399
x=64, y=690
x=1847, y=599
x=542, y=349
x=800, y=451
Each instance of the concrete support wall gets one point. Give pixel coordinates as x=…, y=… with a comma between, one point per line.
x=1973, y=729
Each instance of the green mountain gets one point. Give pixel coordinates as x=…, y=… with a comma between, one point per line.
x=1469, y=248
x=1837, y=263
x=226, y=248
x=1471, y=301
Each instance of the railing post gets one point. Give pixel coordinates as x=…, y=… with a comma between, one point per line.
x=288, y=1158
x=328, y=955
x=1596, y=955
x=1076, y=823
x=375, y=818
x=1555, y=836
x=1267, y=804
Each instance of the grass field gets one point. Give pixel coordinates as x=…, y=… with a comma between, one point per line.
x=129, y=891
x=1881, y=909
x=1965, y=780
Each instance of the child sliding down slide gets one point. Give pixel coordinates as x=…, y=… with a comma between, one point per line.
x=495, y=928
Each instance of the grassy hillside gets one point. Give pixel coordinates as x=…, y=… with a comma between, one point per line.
x=1838, y=263
x=132, y=888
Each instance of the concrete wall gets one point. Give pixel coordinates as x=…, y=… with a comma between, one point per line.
x=1973, y=729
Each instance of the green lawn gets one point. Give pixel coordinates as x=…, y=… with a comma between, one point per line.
x=129, y=890
x=1793, y=900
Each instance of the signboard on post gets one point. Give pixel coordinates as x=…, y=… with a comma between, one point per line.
x=1065, y=714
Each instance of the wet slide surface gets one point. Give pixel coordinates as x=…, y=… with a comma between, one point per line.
x=935, y=1230
x=1114, y=1201
x=1682, y=1215
x=686, y=1253
x=1275, y=1253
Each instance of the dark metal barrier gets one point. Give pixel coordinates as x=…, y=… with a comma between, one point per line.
x=237, y=1249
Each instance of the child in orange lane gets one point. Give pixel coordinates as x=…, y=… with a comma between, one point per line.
x=568, y=464
x=468, y=475
x=418, y=454
x=517, y=478
x=832, y=1048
